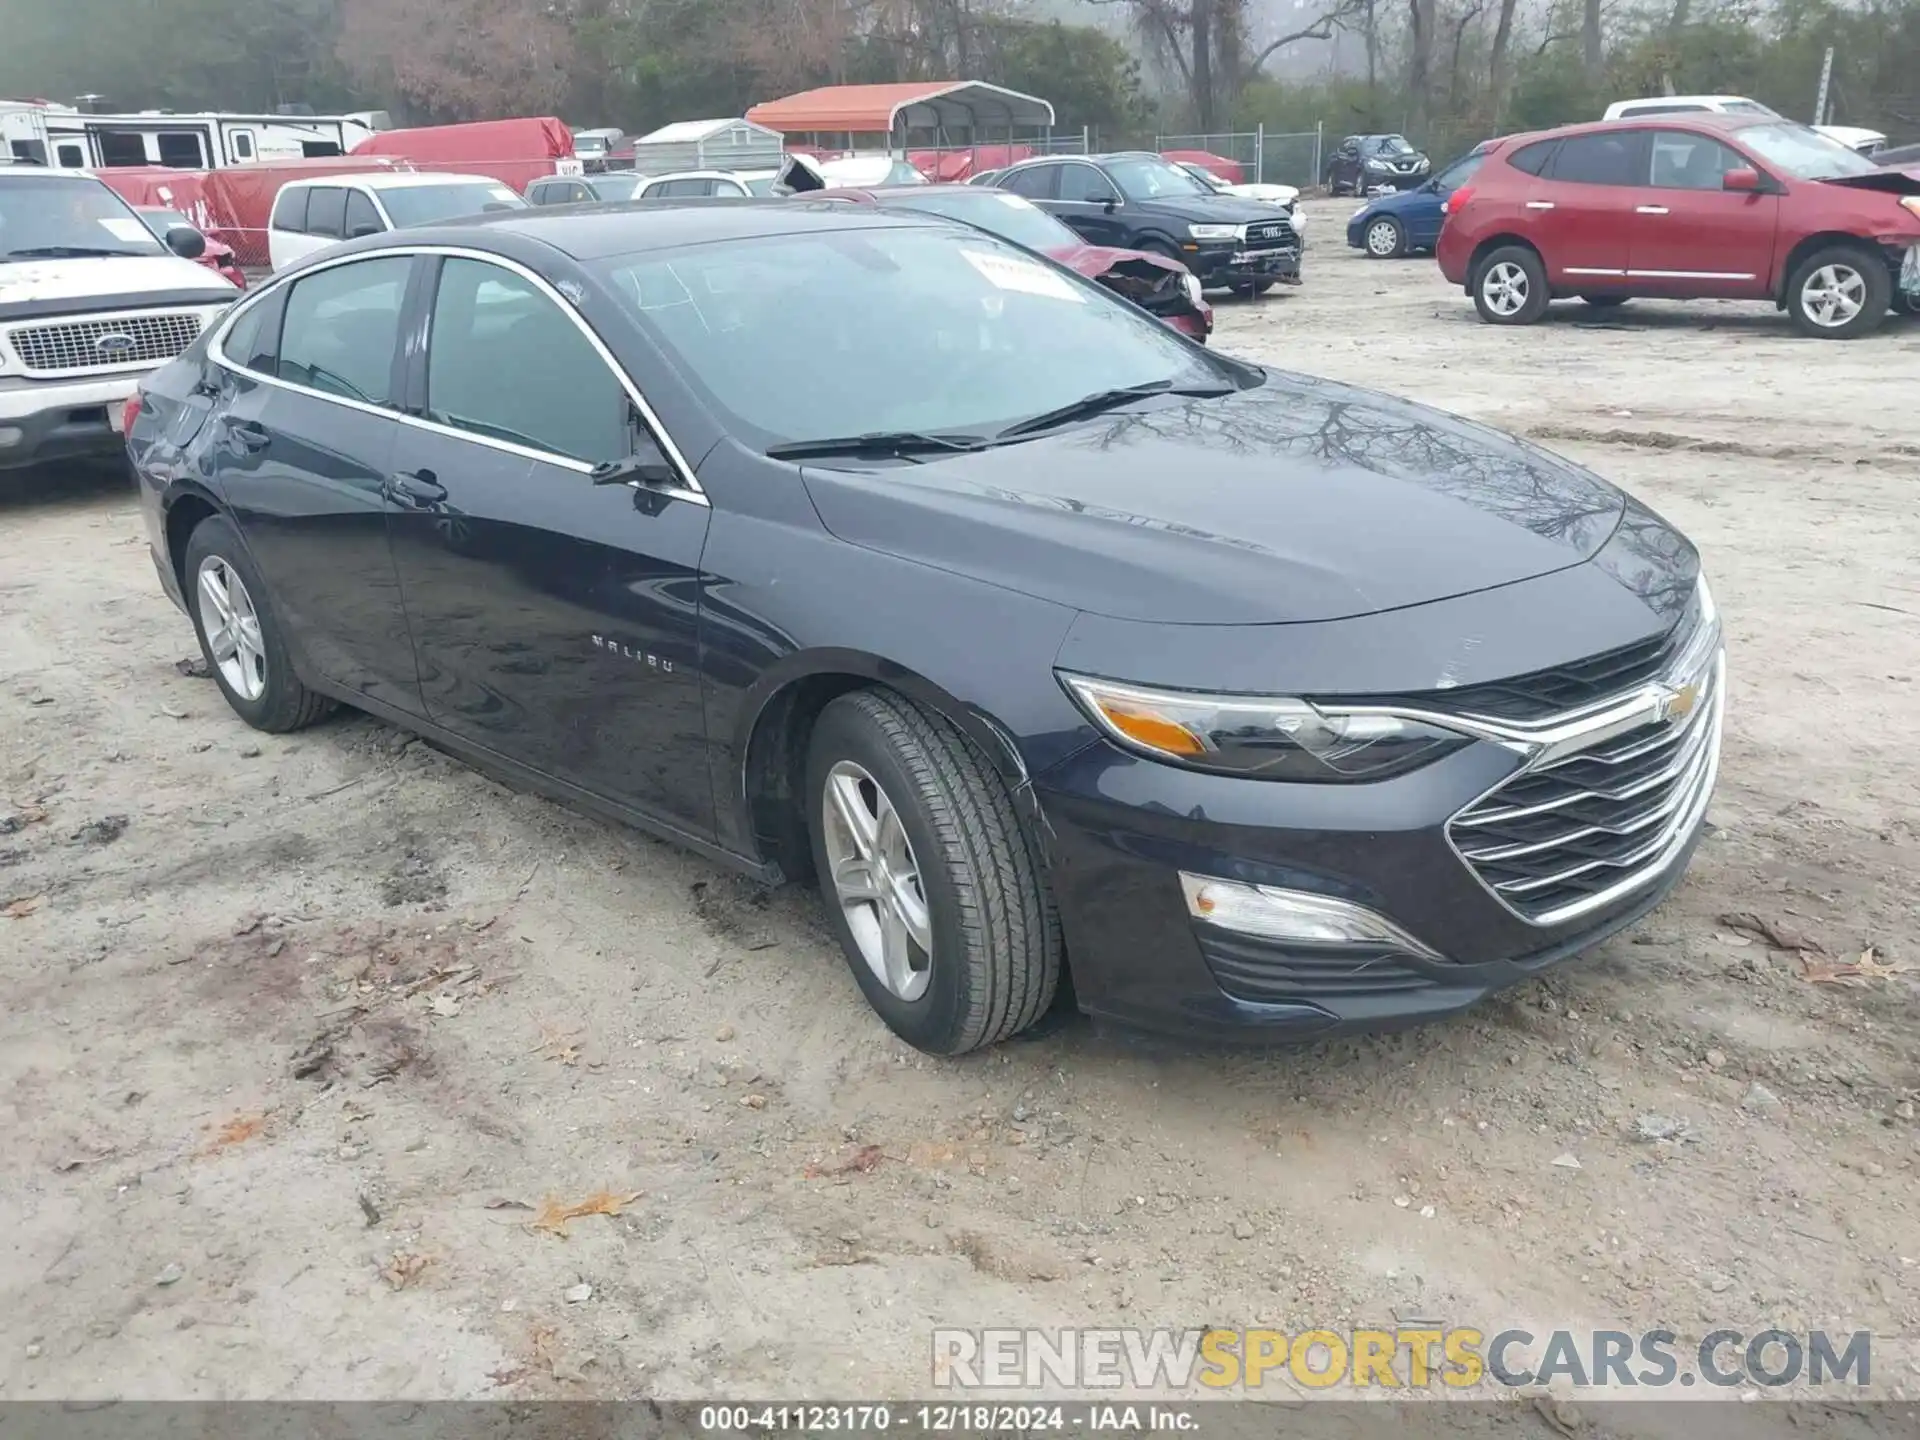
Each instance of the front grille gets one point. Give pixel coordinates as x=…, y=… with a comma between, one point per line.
x=1561, y=688
x=1562, y=837
x=1266, y=974
x=109, y=342
x=1270, y=233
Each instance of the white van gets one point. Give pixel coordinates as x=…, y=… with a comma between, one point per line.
x=310, y=215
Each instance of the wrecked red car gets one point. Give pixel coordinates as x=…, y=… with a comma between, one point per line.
x=217, y=257
x=1161, y=286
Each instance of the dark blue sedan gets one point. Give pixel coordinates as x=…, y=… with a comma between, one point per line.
x=1389, y=226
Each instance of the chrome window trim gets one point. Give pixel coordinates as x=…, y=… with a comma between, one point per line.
x=688, y=489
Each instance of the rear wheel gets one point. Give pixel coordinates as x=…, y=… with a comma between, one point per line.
x=1605, y=302
x=1839, y=293
x=1386, y=239
x=1510, y=287
x=931, y=884
x=240, y=635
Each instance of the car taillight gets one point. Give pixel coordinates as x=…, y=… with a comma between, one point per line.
x=1457, y=201
x=129, y=413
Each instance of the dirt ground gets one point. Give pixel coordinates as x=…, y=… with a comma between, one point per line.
x=306, y=1041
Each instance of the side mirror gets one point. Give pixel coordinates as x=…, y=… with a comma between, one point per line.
x=1110, y=203
x=186, y=242
x=646, y=467
x=1745, y=181
x=362, y=230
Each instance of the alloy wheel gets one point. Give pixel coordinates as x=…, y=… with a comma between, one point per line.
x=1383, y=238
x=232, y=625
x=1834, y=295
x=877, y=880
x=1505, y=288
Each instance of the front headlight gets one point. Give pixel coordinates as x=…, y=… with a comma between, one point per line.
x=1191, y=283
x=1214, y=232
x=1260, y=737
x=1709, y=612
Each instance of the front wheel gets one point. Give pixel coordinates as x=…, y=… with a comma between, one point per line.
x=1386, y=240
x=1839, y=293
x=1510, y=287
x=932, y=886
x=240, y=634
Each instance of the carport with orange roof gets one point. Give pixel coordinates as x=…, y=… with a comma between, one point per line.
x=939, y=115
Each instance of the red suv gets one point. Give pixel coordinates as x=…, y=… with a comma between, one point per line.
x=1687, y=207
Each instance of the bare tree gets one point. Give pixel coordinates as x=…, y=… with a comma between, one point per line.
x=1422, y=18
x=1592, y=55
x=1499, y=60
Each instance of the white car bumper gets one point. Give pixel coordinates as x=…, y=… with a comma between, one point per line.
x=42, y=420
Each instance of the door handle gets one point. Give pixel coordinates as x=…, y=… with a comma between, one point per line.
x=1649, y=209
x=1539, y=204
x=249, y=434
x=415, y=489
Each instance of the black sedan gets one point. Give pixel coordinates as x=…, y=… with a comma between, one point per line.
x=1136, y=200
x=842, y=543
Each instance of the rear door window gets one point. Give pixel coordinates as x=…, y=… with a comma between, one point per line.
x=341, y=326
x=1036, y=182
x=1608, y=158
x=327, y=212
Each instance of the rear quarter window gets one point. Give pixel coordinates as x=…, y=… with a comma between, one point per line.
x=1532, y=159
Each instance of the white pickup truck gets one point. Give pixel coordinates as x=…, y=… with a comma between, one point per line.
x=89, y=303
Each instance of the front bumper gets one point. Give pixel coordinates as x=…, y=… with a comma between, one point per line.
x=1229, y=263
x=1122, y=831
x=47, y=420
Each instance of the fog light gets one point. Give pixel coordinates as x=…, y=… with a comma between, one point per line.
x=11, y=435
x=1293, y=915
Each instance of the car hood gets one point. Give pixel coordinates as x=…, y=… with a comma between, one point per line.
x=1208, y=209
x=1299, y=500
x=1093, y=261
x=1894, y=182
x=26, y=282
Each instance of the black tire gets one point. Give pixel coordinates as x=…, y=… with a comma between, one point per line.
x=1904, y=304
x=1153, y=245
x=1499, y=267
x=1606, y=302
x=1254, y=289
x=1379, y=246
x=996, y=949
x=1876, y=291
x=284, y=704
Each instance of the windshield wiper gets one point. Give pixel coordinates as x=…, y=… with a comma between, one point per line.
x=65, y=252
x=901, y=443
x=1102, y=401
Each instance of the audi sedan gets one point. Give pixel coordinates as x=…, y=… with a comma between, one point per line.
x=845, y=544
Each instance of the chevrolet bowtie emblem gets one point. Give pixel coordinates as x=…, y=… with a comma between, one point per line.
x=1679, y=704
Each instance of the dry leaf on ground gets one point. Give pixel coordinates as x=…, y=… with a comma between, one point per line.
x=554, y=1214
x=863, y=1161
x=1776, y=933
x=21, y=908
x=404, y=1268
x=1863, y=971
x=237, y=1131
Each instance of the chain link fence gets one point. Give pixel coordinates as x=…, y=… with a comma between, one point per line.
x=1268, y=157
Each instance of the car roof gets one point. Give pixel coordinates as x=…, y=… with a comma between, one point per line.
x=392, y=179
x=598, y=232
x=1711, y=121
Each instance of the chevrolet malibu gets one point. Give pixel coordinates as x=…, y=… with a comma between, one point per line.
x=848, y=544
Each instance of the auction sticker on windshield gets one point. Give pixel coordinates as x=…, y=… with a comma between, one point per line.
x=1004, y=272
x=121, y=229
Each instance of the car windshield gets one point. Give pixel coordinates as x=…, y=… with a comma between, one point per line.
x=47, y=216
x=912, y=328
x=425, y=204
x=1390, y=145
x=161, y=221
x=1000, y=211
x=614, y=187
x=1147, y=177
x=1803, y=153
x=1206, y=177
